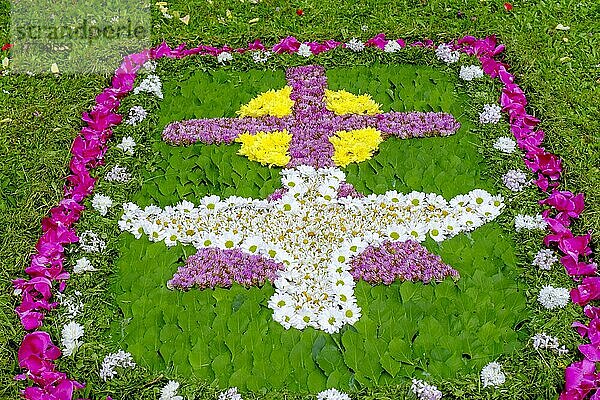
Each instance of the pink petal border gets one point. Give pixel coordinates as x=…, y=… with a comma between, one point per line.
x=37, y=352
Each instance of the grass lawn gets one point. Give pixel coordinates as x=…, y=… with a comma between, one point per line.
x=559, y=70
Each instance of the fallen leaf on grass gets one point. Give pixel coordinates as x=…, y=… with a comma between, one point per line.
x=561, y=27
x=186, y=19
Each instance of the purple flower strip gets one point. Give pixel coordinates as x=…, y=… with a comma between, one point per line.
x=404, y=261
x=213, y=267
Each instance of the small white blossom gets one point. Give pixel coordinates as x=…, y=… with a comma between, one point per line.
x=71, y=333
x=261, y=56
x=392, y=46
x=83, y=265
x=127, y=145
x=544, y=259
x=113, y=360
x=304, y=50
x=332, y=394
x=70, y=305
x=224, y=57
x=491, y=114
x=551, y=297
x=364, y=28
x=515, y=180
x=118, y=174
x=136, y=115
x=425, y=391
x=230, y=394
x=547, y=342
x=445, y=53
x=529, y=222
x=91, y=242
x=149, y=66
x=505, y=144
x=492, y=375
x=355, y=45
x=470, y=72
x=151, y=84
x=169, y=392
x=102, y=203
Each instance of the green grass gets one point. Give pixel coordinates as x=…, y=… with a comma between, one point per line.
x=40, y=117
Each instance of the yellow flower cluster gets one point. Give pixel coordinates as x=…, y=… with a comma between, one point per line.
x=266, y=147
x=273, y=102
x=355, y=146
x=342, y=102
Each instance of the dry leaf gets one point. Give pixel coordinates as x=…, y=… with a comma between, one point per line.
x=561, y=27
x=186, y=19
x=54, y=68
x=254, y=20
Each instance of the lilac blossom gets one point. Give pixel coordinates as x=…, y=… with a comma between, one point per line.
x=212, y=267
x=406, y=261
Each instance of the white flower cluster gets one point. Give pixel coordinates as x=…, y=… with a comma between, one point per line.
x=102, y=203
x=425, y=391
x=492, y=375
x=544, y=259
x=127, y=145
x=515, y=180
x=83, y=265
x=136, y=115
x=491, y=114
x=261, y=56
x=392, y=46
x=169, y=392
x=151, y=84
x=113, y=360
x=355, y=45
x=547, y=342
x=71, y=305
x=224, y=57
x=118, y=174
x=445, y=53
x=313, y=233
x=230, y=394
x=71, y=333
x=470, y=72
x=505, y=144
x=304, y=50
x=91, y=242
x=332, y=394
x=529, y=222
x=149, y=66
x=551, y=297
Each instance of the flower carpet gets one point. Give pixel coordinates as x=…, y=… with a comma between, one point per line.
x=307, y=220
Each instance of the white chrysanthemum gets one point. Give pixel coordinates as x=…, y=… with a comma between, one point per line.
x=151, y=84
x=118, y=174
x=425, y=391
x=392, y=46
x=547, y=342
x=149, y=66
x=470, y=72
x=332, y=394
x=224, y=57
x=119, y=359
x=551, y=297
x=304, y=50
x=529, y=222
x=505, y=144
x=355, y=45
x=230, y=394
x=91, y=242
x=127, y=145
x=445, y=53
x=544, y=259
x=515, y=180
x=101, y=203
x=492, y=375
x=83, y=265
x=491, y=114
x=261, y=56
x=71, y=333
x=136, y=115
x=169, y=391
